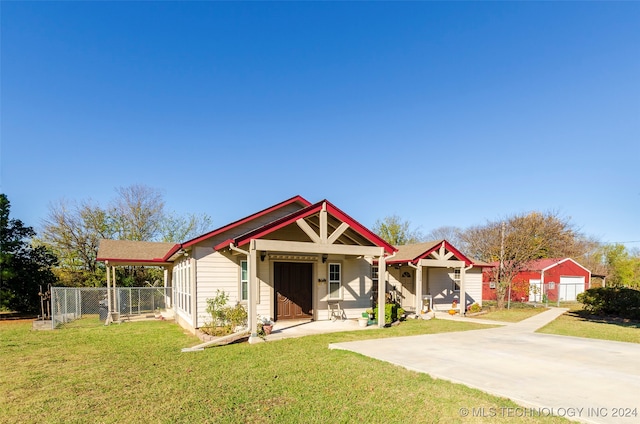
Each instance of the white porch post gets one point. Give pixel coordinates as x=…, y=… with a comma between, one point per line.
x=463, y=292
x=419, y=289
x=252, y=312
x=382, y=285
x=108, y=288
x=115, y=297
x=166, y=277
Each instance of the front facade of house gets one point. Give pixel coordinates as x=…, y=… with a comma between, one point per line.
x=297, y=260
x=433, y=275
x=552, y=279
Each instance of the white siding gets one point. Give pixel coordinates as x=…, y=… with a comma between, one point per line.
x=473, y=286
x=265, y=289
x=215, y=271
x=356, y=287
x=439, y=287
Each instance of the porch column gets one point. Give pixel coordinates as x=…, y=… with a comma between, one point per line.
x=382, y=285
x=108, y=288
x=419, y=289
x=252, y=312
x=463, y=292
x=166, y=277
x=115, y=297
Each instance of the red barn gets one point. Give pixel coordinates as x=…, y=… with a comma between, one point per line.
x=550, y=279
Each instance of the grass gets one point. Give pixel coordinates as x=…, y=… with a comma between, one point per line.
x=135, y=372
x=518, y=312
x=579, y=323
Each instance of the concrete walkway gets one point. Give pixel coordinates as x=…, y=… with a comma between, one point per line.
x=288, y=329
x=581, y=379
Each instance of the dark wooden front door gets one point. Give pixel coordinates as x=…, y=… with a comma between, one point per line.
x=293, y=290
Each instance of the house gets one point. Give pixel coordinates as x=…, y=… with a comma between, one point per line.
x=294, y=260
x=432, y=275
x=549, y=279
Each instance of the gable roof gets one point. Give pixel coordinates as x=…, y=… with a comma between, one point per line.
x=414, y=252
x=295, y=199
x=122, y=251
x=304, y=213
x=547, y=263
x=543, y=264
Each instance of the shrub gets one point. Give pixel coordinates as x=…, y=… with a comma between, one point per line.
x=224, y=319
x=615, y=301
x=475, y=308
x=391, y=312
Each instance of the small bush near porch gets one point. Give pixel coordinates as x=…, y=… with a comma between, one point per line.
x=134, y=372
x=224, y=319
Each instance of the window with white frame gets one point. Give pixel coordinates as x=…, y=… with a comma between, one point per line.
x=244, y=281
x=374, y=272
x=182, y=286
x=455, y=283
x=335, y=281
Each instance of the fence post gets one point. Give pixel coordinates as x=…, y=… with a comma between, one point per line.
x=53, y=311
x=66, y=307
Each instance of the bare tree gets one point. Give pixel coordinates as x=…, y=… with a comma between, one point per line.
x=138, y=212
x=517, y=240
x=177, y=228
x=73, y=231
x=449, y=233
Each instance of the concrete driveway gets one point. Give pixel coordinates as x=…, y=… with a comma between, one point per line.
x=585, y=380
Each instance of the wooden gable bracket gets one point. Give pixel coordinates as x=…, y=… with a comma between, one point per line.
x=322, y=238
x=440, y=254
x=308, y=230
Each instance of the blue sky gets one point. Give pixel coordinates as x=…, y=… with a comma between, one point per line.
x=449, y=113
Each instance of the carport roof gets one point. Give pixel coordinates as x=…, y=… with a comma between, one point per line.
x=123, y=252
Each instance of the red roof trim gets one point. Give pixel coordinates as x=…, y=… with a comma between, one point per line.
x=294, y=199
x=222, y=245
x=447, y=245
x=368, y=234
x=154, y=260
x=310, y=210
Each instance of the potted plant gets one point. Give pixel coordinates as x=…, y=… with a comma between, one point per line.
x=370, y=314
x=265, y=324
x=363, y=321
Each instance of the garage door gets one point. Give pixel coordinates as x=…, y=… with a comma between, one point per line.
x=570, y=287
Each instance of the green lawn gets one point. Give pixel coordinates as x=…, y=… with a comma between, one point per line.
x=579, y=323
x=135, y=372
x=518, y=312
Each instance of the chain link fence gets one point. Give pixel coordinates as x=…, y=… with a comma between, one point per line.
x=536, y=292
x=72, y=303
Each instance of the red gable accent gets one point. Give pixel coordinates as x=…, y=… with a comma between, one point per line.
x=295, y=199
x=303, y=213
x=447, y=246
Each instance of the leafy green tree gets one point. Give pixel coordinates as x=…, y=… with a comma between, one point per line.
x=23, y=267
x=621, y=266
x=395, y=231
